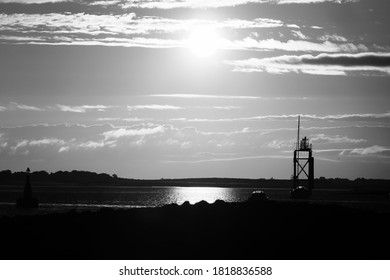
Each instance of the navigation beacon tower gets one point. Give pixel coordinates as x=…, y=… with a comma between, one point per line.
x=303, y=166
x=27, y=200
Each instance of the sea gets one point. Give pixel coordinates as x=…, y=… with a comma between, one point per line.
x=60, y=199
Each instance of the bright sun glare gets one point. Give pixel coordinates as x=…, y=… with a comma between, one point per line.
x=203, y=41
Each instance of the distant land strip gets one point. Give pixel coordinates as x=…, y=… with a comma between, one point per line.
x=87, y=178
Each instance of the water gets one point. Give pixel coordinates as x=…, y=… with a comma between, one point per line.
x=55, y=199
x=65, y=198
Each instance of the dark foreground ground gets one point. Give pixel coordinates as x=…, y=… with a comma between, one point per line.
x=250, y=230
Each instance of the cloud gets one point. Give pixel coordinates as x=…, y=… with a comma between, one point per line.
x=64, y=149
x=299, y=34
x=26, y=107
x=128, y=30
x=12, y=106
x=312, y=1
x=358, y=117
x=20, y=144
x=243, y=24
x=172, y=107
x=36, y=143
x=66, y=28
x=134, y=119
x=88, y=145
x=108, y=119
x=335, y=139
x=293, y=26
x=139, y=42
x=92, y=145
x=46, y=141
x=31, y=1
x=154, y=107
x=333, y=37
x=173, y=4
x=278, y=144
x=291, y=46
x=134, y=131
x=349, y=60
x=218, y=107
x=206, y=96
x=3, y=142
x=228, y=159
x=323, y=64
x=105, y=2
x=63, y=145
x=196, y=4
x=370, y=150
x=83, y=108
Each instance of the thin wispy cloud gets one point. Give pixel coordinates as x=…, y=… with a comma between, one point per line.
x=375, y=152
x=189, y=161
x=153, y=107
x=370, y=150
x=25, y=107
x=333, y=37
x=46, y=141
x=279, y=144
x=108, y=119
x=218, y=107
x=39, y=143
x=292, y=46
x=299, y=34
x=12, y=106
x=20, y=144
x=82, y=109
x=293, y=117
x=135, y=131
x=335, y=139
x=95, y=144
x=323, y=64
x=31, y=1
x=206, y=96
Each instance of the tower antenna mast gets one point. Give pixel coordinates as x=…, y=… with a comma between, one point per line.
x=299, y=124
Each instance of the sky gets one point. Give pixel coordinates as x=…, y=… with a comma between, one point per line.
x=153, y=89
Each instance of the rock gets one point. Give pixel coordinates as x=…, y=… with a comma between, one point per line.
x=186, y=204
x=258, y=196
x=201, y=203
x=300, y=192
x=219, y=202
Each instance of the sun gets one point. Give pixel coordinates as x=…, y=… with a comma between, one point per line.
x=203, y=41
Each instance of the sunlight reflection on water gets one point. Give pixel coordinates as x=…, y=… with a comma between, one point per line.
x=179, y=195
x=64, y=198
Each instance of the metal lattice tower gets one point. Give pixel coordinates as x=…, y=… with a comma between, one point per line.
x=303, y=163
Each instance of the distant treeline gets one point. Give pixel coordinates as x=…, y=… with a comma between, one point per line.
x=87, y=178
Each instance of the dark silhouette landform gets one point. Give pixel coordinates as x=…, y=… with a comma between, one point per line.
x=256, y=229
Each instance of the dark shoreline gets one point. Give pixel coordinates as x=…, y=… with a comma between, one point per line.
x=87, y=178
x=247, y=230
